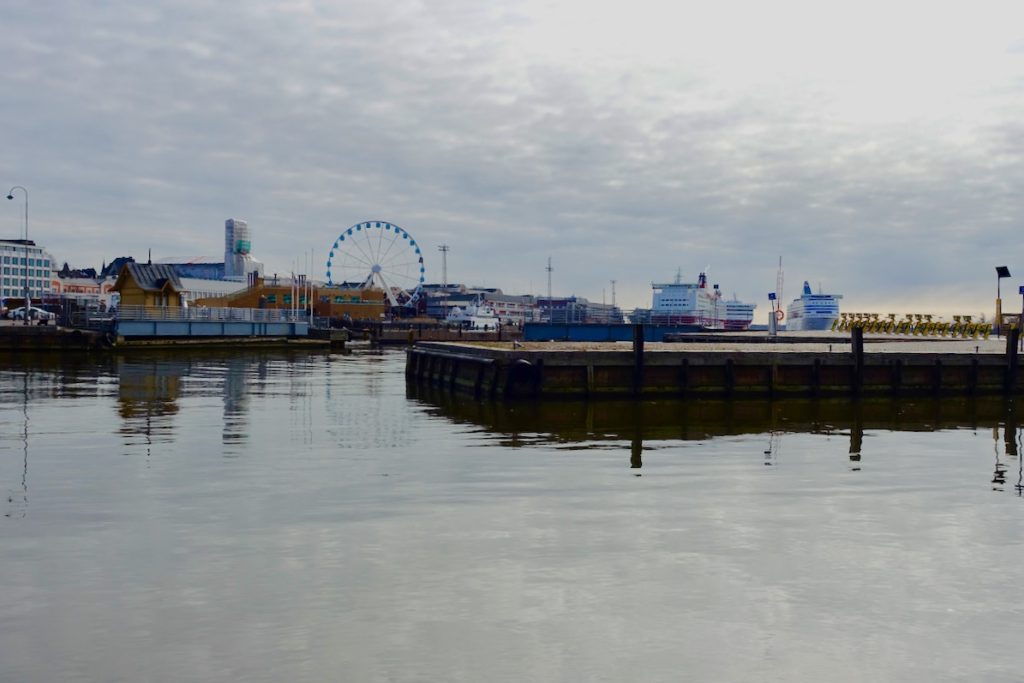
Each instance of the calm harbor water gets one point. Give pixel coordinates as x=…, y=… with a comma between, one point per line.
x=304, y=517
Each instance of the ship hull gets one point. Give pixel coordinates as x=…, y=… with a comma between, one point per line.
x=811, y=324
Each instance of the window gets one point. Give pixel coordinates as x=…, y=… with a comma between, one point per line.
x=287, y=298
x=272, y=298
x=339, y=299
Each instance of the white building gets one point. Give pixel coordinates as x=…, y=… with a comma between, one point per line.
x=238, y=261
x=199, y=288
x=22, y=260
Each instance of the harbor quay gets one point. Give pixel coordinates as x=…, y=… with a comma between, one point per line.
x=828, y=365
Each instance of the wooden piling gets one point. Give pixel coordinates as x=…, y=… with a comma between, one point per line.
x=638, y=358
x=857, y=347
x=1011, y=359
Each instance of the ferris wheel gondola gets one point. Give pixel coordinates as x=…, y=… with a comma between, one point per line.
x=378, y=254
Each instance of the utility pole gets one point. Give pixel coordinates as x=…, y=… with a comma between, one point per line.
x=550, y=302
x=28, y=291
x=444, y=248
x=613, y=293
x=778, y=284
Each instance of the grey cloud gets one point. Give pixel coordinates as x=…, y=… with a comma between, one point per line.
x=146, y=126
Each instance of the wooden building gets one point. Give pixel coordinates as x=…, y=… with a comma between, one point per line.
x=328, y=302
x=149, y=285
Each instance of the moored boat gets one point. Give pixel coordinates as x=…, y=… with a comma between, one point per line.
x=475, y=316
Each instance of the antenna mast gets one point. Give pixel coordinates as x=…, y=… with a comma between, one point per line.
x=444, y=265
x=550, y=302
x=778, y=283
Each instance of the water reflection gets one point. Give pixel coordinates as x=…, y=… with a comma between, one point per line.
x=150, y=388
x=17, y=500
x=774, y=445
x=25, y=379
x=147, y=397
x=242, y=376
x=586, y=424
x=1009, y=454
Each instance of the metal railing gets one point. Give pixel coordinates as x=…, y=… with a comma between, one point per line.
x=201, y=313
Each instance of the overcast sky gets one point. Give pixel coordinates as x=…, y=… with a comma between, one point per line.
x=877, y=146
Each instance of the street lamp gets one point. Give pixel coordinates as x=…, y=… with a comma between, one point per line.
x=28, y=298
x=1001, y=272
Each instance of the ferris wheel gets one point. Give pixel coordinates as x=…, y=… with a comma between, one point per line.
x=378, y=254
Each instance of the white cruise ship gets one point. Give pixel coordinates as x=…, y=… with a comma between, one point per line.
x=693, y=303
x=738, y=315
x=812, y=311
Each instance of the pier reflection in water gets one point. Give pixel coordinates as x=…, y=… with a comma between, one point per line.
x=276, y=516
x=606, y=423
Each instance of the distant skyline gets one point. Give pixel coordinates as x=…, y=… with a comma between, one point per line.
x=877, y=147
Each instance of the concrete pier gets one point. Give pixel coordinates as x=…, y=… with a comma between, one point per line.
x=833, y=366
x=19, y=338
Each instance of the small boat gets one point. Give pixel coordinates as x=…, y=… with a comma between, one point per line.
x=475, y=316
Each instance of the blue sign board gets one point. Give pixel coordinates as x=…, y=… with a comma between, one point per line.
x=771, y=295
x=1021, y=290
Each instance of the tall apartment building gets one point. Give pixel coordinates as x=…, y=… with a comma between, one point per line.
x=22, y=260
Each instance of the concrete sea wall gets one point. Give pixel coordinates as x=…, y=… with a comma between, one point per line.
x=510, y=372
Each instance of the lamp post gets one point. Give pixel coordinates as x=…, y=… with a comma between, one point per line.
x=1001, y=272
x=28, y=298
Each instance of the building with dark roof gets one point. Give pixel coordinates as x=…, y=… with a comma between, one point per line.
x=148, y=284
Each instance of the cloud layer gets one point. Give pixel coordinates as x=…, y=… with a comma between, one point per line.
x=878, y=151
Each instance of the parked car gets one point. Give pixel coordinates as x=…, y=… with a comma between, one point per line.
x=33, y=314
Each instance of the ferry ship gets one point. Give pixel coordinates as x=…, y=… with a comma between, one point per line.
x=693, y=303
x=812, y=311
x=738, y=315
